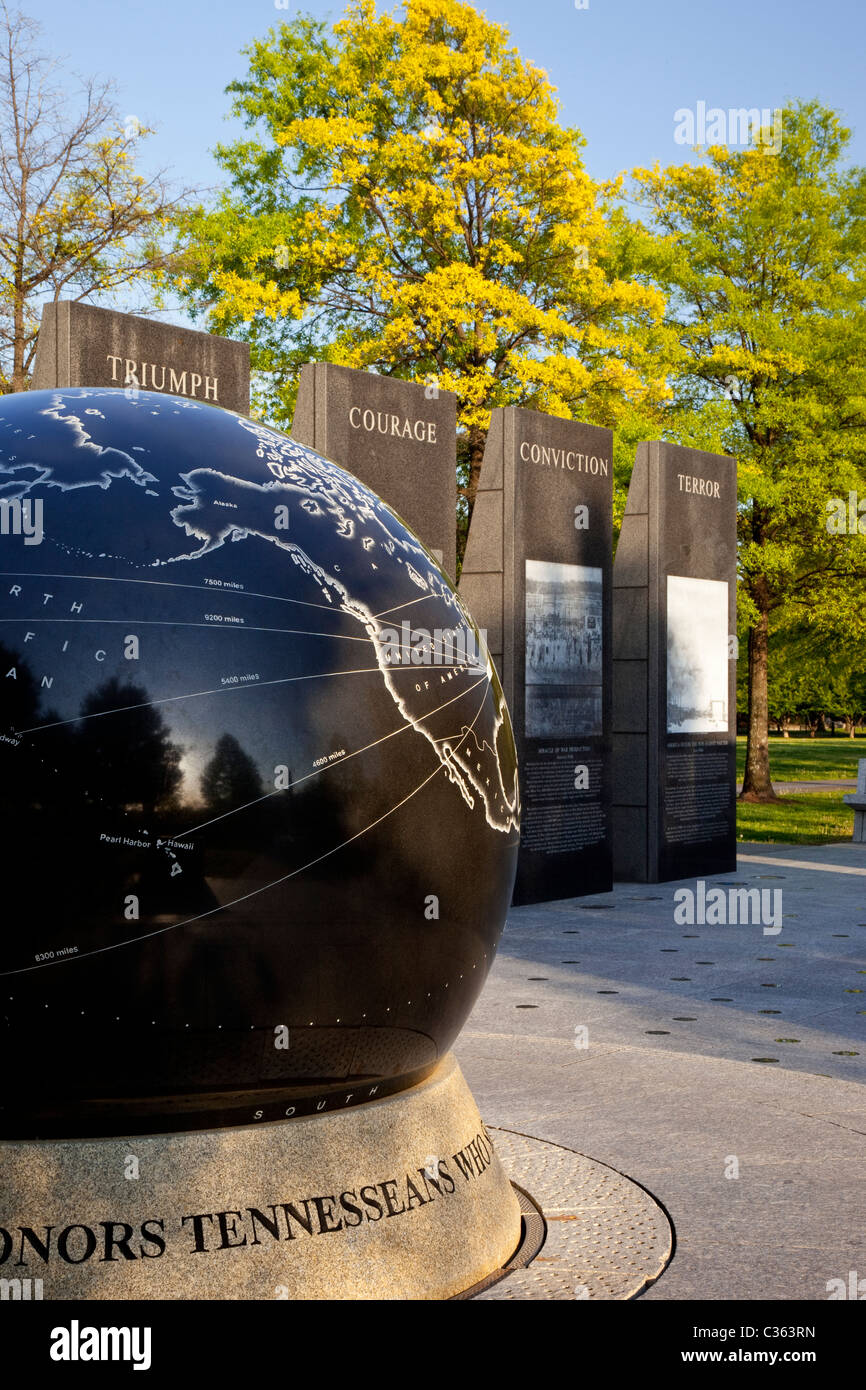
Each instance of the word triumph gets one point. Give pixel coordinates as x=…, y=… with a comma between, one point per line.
x=134, y=374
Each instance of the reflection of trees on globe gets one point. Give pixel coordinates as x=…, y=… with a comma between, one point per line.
x=253, y=864
x=130, y=762
x=231, y=778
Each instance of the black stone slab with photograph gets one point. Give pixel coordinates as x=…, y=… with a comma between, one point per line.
x=396, y=436
x=83, y=345
x=537, y=578
x=674, y=626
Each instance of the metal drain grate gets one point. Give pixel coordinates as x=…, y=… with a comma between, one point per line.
x=533, y=1233
x=607, y=1237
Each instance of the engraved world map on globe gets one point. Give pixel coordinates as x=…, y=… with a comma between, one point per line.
x=255, y=746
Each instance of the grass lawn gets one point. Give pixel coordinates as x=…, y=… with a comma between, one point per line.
x=807, y=759
x=805, y=819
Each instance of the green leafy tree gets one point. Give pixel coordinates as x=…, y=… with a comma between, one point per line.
x=763, y=257
x=790, y=694
x=798, y=679
x=848, y=695
x=828, y=656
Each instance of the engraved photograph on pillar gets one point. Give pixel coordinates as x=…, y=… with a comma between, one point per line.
x=564, y=646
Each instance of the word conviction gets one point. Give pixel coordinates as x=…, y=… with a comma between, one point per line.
x=551, y=457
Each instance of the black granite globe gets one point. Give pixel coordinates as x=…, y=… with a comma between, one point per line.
x=258, y=787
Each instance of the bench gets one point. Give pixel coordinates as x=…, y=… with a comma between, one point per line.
x=857, y=800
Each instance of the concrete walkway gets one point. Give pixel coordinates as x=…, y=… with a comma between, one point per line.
x=758, y=1161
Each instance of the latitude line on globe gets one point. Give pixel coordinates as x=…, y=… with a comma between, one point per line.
x=410, y=602
x=199, y=588
x=317, y=772
x=211, y=627
x=147, y=936
x=221, y=690
x=162, y=584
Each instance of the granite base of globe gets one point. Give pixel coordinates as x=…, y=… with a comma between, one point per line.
x=401, y=1198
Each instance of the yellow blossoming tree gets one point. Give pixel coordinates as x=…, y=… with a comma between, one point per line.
x=407, y=201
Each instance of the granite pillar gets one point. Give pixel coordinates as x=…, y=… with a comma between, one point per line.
x=537, y=577
x=674, y=649
x=83, y=345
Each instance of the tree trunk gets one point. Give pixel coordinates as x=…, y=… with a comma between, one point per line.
x=19, y=380
x=477, y=440
x=756, y=782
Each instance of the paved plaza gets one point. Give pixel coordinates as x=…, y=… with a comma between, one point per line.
x=720, y=1066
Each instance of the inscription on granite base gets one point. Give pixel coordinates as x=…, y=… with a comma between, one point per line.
x=409, y=1191
x=537, y=576
x=674, y=668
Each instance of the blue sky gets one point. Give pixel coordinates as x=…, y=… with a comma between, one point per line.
x=622, y=67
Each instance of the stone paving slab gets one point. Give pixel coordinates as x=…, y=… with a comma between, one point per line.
x=662, y=1086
